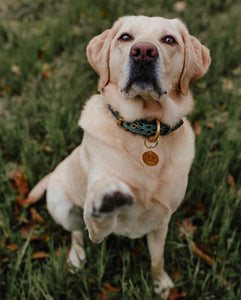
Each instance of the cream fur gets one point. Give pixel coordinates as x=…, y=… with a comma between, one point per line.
x=109, y=159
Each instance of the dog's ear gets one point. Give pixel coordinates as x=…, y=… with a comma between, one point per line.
x=98, y=51
x=196, y=61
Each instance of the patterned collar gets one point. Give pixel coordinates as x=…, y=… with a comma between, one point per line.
x=144, y=127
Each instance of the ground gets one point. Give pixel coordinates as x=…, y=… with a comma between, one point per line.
x=44, y=80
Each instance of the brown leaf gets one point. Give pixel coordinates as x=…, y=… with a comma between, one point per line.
x=212, y=240
x=176, y=274
x=5, y=259
x=19, y=182
x=36, y=216
x=210, y=125
x=103, y=13
x=47, y=148
x=22, y=201
x=198, y=208
x=28, y=227
x=231, y=181
x=174, y=294
x=2, y=243
x=12, y=247
x=227, y=84
x=197, y=128
x=200, y=253
x=43, y=237
x=18, y=219
x=107, y=289
x=46, y=71
x=40, y=255
x=185, y=227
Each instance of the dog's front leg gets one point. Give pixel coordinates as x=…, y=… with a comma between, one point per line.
x=156, y=242
x=105, y=199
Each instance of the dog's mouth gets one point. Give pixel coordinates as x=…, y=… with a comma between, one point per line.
x=144, y=80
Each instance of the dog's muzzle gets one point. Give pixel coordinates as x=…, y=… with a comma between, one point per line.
x=143, y=69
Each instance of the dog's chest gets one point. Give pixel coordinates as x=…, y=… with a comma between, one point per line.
x=137, y=221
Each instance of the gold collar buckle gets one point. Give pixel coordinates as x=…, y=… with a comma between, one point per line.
x=119, y=123
x=152, y=139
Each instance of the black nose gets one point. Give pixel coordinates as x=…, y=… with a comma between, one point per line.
x=144, y=52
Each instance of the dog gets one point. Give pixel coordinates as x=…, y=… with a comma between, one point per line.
x=130, y=172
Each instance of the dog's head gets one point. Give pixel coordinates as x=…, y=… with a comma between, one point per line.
x=148, y=57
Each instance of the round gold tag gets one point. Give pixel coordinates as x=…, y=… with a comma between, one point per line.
x=150, y=158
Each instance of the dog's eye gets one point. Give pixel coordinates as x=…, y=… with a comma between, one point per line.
x=125, y=37
x=169, y=40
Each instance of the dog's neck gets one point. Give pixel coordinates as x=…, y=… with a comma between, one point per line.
x=169, y=110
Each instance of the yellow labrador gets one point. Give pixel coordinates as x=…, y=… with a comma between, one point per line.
x=130, y=172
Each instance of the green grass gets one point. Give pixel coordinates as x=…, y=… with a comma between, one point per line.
x=38, y=114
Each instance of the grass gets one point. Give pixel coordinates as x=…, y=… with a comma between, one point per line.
x=40, y=103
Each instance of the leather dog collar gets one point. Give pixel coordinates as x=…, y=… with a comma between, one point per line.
x=144, y=127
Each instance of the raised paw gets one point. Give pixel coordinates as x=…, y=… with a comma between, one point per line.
x=110, y=202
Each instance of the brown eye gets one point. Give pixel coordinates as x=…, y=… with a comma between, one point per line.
x=125, y=37
x=169, y=40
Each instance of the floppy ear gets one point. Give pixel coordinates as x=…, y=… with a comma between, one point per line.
x=98, y=56
x=196, y=61
x=98, y=51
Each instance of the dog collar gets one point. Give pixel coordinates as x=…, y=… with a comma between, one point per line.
x=145, y=128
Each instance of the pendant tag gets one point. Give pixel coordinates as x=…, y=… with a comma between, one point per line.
x=150, y=158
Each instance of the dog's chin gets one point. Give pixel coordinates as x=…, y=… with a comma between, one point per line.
x=145, y=92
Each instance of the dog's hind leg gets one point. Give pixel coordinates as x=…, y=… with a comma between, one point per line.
x=70, y=216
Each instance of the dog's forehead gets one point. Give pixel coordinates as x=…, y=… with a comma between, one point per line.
x=149, y=25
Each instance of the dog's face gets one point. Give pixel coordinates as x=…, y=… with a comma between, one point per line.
x=148, y=57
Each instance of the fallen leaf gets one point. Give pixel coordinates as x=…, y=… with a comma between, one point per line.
x=174, y=294
x=210, y=125
x=8, y=89
x=19, y=181
x=46, y=71
x=36, y=216
x=212, y=240
x=176, y=274
x=103, y=13
x=5, y=259
x=197, y=128
x=200, y=253
x=43, y=237
x=18, y=219
x=22, y=201
x=48, y=149
x=107, y=289
x=12, y=247
x=3, y=243
x=227, y=84
x=28, y=227
x=185, y=227
x=198, y=208
x=40, y=255
x=231, y=181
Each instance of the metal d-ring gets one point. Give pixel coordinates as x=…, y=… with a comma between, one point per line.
x=150, y=147
x=154, y=138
